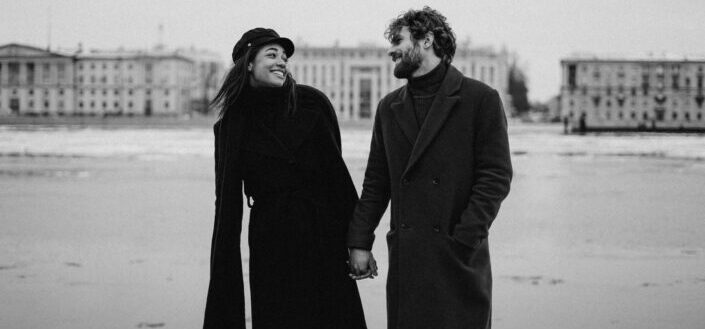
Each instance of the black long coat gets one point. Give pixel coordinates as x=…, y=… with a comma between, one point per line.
x=446, y=181
x=303, y=201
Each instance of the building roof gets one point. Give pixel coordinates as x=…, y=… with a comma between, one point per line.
x=20, y=50
x=631, y=58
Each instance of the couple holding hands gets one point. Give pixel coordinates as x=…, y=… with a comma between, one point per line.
x=439, y=152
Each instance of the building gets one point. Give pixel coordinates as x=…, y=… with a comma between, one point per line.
x=35, y=81
x=132, y=83
x=633, y=94
x=356, y=78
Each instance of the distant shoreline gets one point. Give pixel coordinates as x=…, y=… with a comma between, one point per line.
x=195, y=121
x=117, y=122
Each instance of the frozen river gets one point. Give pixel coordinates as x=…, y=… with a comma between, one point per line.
x=110, y=228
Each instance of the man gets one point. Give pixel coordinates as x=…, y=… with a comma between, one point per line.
x=440, y=151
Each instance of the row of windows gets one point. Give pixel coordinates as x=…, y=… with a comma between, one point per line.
x=116, y=104
x=147, y=92
x=104, y=66
x=31, y=91
x=661, y=115
x=597, y=101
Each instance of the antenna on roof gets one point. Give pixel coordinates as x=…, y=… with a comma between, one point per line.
x=49, y=27
x=160, y=41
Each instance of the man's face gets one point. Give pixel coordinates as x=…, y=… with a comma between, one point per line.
x=406, y=54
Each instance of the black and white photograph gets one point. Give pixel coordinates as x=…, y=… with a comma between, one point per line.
x=241, y=164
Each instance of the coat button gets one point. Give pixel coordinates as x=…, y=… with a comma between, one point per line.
x=292, y=161
x=404, y=226
x=436, y=228
x=436, y=181
x=405, y=181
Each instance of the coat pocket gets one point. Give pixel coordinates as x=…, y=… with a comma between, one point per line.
x=462, y=252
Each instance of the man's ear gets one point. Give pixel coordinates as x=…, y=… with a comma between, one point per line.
x=428, y=40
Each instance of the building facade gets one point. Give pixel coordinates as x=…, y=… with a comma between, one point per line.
x=356, y=78
x=35, y=81
x=641, y=94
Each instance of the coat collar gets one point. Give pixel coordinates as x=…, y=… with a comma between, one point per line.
x=443, y=103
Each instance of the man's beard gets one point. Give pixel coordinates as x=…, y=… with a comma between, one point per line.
x=410, y=62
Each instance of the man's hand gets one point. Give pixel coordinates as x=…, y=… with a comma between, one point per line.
x=362, y=264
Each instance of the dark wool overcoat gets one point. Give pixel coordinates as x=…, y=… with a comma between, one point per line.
x=446, y=179
x=298, y=271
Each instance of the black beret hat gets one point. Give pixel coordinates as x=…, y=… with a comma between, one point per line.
x=258, y=37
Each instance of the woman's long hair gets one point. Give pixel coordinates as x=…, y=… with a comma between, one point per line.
x=237, y=78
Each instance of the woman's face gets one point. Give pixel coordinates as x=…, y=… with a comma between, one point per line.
x=268, y=68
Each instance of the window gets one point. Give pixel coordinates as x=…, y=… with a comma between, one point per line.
x=30, y=73
x=46, y=72
x=572, y=76
x=14, y=72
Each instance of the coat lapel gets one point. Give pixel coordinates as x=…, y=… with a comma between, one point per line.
x=403, y=110
x=440, y=109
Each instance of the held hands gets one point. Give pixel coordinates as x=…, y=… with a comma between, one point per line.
x=362, y=264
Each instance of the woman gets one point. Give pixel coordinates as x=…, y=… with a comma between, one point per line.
x=281, y=140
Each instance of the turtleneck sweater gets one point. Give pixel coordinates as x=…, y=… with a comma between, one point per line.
x=423, y=90
x=268, y=105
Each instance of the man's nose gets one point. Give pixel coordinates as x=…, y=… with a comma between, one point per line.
x=390, y=51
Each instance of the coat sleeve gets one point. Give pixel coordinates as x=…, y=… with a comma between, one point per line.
x=493, y=172
x=225, y=303
x=375, y=192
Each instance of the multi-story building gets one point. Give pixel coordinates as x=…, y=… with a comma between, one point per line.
x=638, y=94
x=356, y=78
x=132, y=83
x=34, y=81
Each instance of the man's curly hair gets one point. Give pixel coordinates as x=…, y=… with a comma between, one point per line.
x=421, y=22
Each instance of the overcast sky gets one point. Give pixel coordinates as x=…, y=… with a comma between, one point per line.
x=541, y=32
